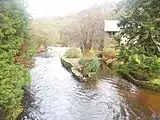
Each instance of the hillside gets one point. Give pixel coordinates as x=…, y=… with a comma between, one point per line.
x=105, y=9
x=48, y=30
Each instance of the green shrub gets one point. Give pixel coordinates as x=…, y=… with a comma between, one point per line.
x=90, y=65
x=138, y=64
x=13, y=75
x=73, y=53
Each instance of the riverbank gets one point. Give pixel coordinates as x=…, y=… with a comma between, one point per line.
x=153, y=85
x=71, y=64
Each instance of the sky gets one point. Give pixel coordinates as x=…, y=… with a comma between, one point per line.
x=52, y=8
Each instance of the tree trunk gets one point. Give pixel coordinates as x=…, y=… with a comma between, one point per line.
x=101, y=46
x=85, y=48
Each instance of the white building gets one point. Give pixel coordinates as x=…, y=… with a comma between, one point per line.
x=111, y=26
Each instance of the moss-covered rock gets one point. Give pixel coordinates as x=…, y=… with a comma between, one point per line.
x=71, y=64
x=66, y=63
x=78, y=75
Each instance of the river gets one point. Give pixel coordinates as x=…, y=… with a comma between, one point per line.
x=54, y=94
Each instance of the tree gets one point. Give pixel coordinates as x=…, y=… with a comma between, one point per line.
x=142, y=25
x=86, y=31
x=44, y=32
x=90, y=31
x=13, y=75
x=139, y=58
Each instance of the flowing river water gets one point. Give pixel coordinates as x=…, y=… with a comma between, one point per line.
x=54, y=94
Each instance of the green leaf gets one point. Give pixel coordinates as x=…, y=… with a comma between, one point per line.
x=137, y=59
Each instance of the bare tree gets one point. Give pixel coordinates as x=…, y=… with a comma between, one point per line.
x=89, y=31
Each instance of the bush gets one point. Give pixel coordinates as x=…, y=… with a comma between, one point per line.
x=90, y=65
x=92, y=53
x=13, y=75
x=109, y=53
x=138, y=64
x=73, y=53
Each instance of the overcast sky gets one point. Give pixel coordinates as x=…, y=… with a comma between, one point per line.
x=50, y=8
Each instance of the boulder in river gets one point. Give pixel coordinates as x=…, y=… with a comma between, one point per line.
x=71, y=64
x=41, y=49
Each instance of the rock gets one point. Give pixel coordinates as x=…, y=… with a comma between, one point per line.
x=72, y=66
x=78, y=75
x=41, y=49
x=66, y=63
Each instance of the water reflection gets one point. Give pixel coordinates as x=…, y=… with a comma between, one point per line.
x=58, y=96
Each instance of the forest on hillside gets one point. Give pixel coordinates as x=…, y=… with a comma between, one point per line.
x=66, y=30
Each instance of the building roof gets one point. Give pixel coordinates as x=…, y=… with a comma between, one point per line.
x=111, y=26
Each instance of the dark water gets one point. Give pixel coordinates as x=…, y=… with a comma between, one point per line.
x=55, y=95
